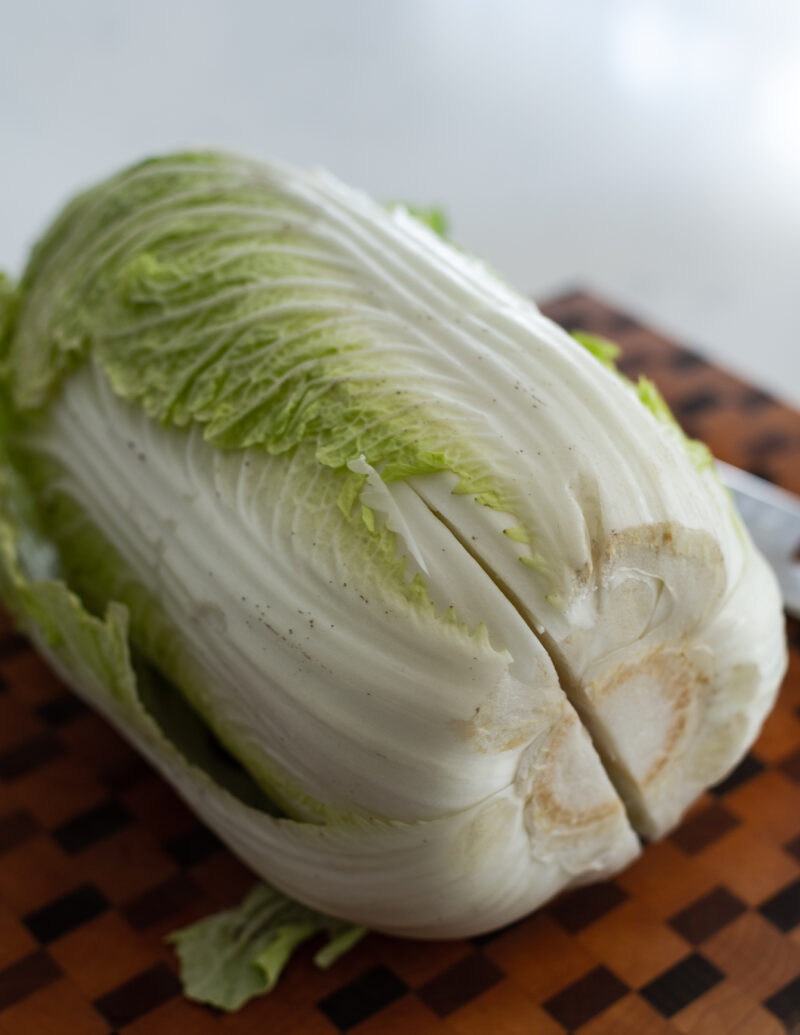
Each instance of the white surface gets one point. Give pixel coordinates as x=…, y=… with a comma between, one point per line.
x=647, y=150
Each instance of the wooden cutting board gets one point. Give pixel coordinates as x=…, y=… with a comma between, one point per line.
x=99, y=859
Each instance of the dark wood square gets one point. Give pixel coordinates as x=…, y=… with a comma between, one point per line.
x=460, y=984
x=682, y=984
x=708, y=915
x=703, y=828
x=586, y=998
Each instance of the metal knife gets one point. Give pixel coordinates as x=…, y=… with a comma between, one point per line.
x=772, y=516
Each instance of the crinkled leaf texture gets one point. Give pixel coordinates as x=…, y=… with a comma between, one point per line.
x=420, y=606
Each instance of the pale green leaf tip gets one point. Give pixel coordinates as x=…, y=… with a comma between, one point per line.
x=517, y=533
x=608, y=352
x=368, y=517
x=433, y=217
x=338, y=945
x=603, y=349
x=649, y=395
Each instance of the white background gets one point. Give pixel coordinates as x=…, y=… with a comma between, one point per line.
x=649, y=151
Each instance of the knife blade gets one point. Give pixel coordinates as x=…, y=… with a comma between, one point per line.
x=772, y=516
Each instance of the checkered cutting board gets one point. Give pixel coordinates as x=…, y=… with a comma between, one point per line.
x=99, y=859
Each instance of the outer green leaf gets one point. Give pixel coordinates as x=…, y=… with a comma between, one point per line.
x=230, y=957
